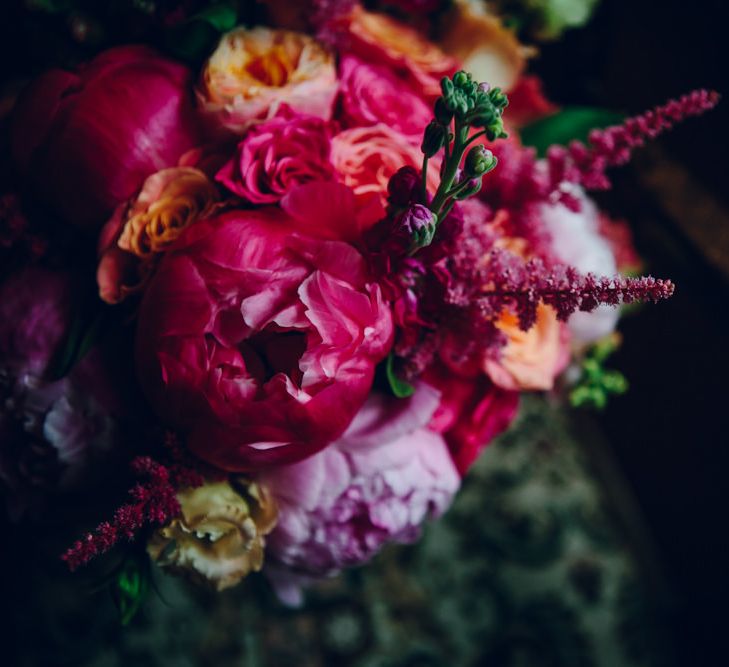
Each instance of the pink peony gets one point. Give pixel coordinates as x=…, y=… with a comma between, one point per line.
x=50, y=429
x=371, y=94
x=276, y=156
x=376, y=484
x=472, y=412
x=367, y=157
x=260, y=342
x=87, y=140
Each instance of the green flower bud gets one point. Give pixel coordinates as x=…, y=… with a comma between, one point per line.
x=479, y=161
x=433, y=139
x=443, y=113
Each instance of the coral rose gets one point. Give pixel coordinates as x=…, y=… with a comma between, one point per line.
x=376, y=484
x=531, y=359
x=371, y=94
x=140, y=230
x=276, y=156
x=88, y=140
x=253, y=72
x=260, y=342
x=367, y=157
x=381, y=39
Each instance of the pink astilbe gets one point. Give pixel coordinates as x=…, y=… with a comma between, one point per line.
x=521, y=285
x=613, y=146
x=154, y=502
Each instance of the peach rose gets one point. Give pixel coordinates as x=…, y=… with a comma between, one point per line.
x=381, y=39
x=366, y=157
x=531, y=359
x=487, y=49
x=138, y=231
x=253, y=72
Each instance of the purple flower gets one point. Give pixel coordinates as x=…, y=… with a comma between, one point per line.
x=376, y=484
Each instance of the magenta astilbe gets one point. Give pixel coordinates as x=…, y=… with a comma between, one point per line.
x=522, y=286
x=613, y=146
x=154, y=502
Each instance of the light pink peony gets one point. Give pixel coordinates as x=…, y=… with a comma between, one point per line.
x=260, y=342
x=88, y=140
x=376, y=484
x=276, y=156
x=372, y=94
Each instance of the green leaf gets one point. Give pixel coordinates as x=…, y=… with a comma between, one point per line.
x=130, y=587
x=222, y=17
x=82, y=335
x=567, y=125
x=399, y=387
x=194, y=39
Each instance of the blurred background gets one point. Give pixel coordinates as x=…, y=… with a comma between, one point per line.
x=581, y=538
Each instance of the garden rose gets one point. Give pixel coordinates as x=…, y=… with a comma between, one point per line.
x=140, y=230
x=87, y=140
x=276, y=156
x=471, y=413
x=376, y=484
x=531, y=359
x=260, y=342
x=371, y=94
x=252, y=72
x=219, y=536
x=366, y=157
x=381, y=39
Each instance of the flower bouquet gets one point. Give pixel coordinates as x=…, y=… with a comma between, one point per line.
x=326, y=267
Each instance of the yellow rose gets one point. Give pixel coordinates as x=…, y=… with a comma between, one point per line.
x=219, y=537
x=252, y=72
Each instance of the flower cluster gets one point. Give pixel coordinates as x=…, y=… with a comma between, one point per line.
x=336, y=267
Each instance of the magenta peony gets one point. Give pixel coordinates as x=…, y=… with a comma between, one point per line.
x=260, y=342
x=374, y=485
x=278, y=155
x=371, y=94
x=88, y=140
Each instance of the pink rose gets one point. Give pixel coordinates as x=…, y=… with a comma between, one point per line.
x=372, y=94
x=88, y=140
x=276, y=156
x=366, y=158
x=260, y=342
x=472, y=412
x=376, y=484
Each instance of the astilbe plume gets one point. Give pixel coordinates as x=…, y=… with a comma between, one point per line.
x=613, y=146
x=153, y=502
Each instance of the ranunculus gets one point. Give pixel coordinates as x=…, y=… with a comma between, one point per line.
x=372, y=94
x=531, y=359
x=140, y=230
x=260, y=342
x=485, y=47
x=472, y=412
x=381, y=39
x=219, y=537
x=276, y=156
x=576, y=240
x=50, y=429
x=253, y=72
x=376, y=484
x=88, y=140
x=366, y=157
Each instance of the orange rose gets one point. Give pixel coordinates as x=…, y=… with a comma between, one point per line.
x=488, y=50
x=169, y=202
x=531, y=359
x=253, y=72
x=379, y=38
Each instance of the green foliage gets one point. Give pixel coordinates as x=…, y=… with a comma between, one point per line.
x=130, y=585
x=596, y=383
x=569, y=124
x=399, y=387
x=195, y=38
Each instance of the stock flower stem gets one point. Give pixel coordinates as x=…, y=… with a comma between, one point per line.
x=424, y=176
x=451, y=169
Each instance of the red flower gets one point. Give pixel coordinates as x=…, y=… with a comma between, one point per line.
x=88, y=140
x=260, y=342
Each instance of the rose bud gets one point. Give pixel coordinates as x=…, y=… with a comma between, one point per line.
x=218, y=539
x=87, y=140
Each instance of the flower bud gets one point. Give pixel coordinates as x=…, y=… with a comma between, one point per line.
x=402, y=186
x=479, y=161
x=443, y=114
x=433, y=139
x=418, y=223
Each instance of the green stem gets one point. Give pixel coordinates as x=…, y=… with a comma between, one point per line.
x=478, y=135
x=449, y=174
x=424, y=176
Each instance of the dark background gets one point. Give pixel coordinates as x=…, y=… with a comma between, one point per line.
x=670, y=433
